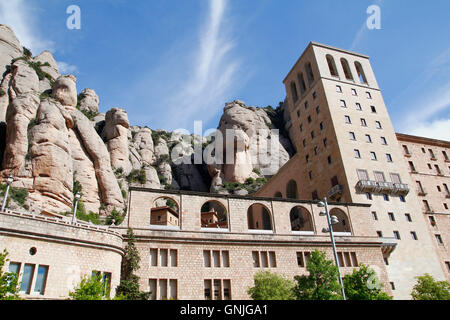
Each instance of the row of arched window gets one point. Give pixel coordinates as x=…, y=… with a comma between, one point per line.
x=333, y=71
x=165, y=212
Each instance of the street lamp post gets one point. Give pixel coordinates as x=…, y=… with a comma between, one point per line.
x=331, y=221
x=9, y=181
x=74, y=217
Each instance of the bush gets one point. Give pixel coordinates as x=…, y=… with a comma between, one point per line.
x=27, y=53
x=9, y=287
x=322, y=281
x=270, y=286
x=429, y=289
x=363, y=284
x=2, y=92
x=90, y=288
x=117, y=216
x=19, y=195
x=137, y=175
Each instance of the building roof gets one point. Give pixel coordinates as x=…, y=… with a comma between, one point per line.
x=422, y=140
x=165, y=209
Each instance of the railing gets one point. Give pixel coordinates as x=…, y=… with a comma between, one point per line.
x=367, y=185
x=385, y=187
x=335, y=191
x=401, y=188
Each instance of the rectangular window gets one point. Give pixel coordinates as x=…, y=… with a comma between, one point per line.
x=352, y=136
x=339, y=89
x=216, y=259
x=445, y=156
x=207, y=258
x=162, y=289
x=354, y=259
x=318, y=110
x=408, y=217
x=343, y=104
x=379, y=176
x=217, y=290
x=225, y=259
x=374, y=216
x=397, y=235
x=264, y=259
x=368, y=138
x=173, y=258
x=363, y=122
x=395, y=178
x=41, y=280
x=373, y=156
x=391, y=216
x=439, y=239
x=368, y=95
x=321, y=126
x=300, y=260
x=348, y=120
x=374, y=110
x=348, y=261
x=163, y=257
x=207, y=285
x=388, y=157
x=106, y=283
x=358, y=107
x=152, y=287
x=363, y=175
x=153, y=257
x=411, y=166
x=392, y=285
x=378, y=125
x=357, y=154
x=226, y=289
x=354, y=92
x=272, y=259
x=383, y=141
x=380, y=234
x=27, y=278
x=173, y=289
x=255, y=256
x=14, y=267
x=414, y=235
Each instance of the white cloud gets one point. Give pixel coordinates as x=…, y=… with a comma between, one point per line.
x=211, y=76
x=66, y=68
x=20, y=16
x=437, y=129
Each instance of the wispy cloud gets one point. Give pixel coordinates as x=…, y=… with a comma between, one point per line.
x=19, y=15
x=66, y=68
x=196, y=77
x=428, y=116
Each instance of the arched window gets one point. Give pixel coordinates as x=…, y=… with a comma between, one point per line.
x=301, y=219
x=291, y=190
x=165, y=212
x=294, y=91
x=360, y=71
x=259, y=217
x=214, y=215
x=301, y=80
x=278, y=194
x=347, y=71
x=344, y=223
x=309, y=73
x=332, y=66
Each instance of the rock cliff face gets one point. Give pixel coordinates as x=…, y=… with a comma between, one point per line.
x=55, y=142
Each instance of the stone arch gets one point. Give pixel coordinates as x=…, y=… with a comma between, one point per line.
x=165, y=211
x=259, y=217
x=309, y=73
x=360, y=71
x=292, y=190
x=294, y=91
x=332, y=66
x=214, y=215
x=347, y=71
x=301, y=219
x=344, y=222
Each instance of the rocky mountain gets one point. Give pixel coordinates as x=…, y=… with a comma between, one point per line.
x=55, y=143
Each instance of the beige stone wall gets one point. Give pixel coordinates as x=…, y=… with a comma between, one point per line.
x=69, y=252
x=190, y=240
x=433, y=187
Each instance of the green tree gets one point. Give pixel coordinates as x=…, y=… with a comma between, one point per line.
x=270, y=286
x=322, y=281
x=363, y=284
x=9, y=287
x=90, y=288
x=429, y=289
x=128, y=288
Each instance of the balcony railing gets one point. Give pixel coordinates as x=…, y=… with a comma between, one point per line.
x=401, y=188
x=335, y=191
x=382, y=187
x=367, y=186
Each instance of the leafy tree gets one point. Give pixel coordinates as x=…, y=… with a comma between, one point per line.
x=363, y=284
x=9, y=287
x=128, y=288
x=115, y=217
x=429, y=289
x=322, y=281
x=270, y=286
x=90, y=288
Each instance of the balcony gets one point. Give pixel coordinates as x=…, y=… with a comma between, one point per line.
x=335, y=191
x=386, y=187
x=367, y=186
x=401, y=188
x=407, y=154
x=447, y=195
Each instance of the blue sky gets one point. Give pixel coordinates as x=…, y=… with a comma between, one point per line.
x=169, y=63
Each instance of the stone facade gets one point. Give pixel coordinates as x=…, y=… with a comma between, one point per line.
x=347, y=150
x=68, y=251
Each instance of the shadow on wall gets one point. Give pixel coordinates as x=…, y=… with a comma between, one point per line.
x=2, y=142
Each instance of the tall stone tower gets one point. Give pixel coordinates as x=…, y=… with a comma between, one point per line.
x=347, y=151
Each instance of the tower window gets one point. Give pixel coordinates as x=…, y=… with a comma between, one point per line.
x=360, y=72
x=332, y=66
x=347, y=71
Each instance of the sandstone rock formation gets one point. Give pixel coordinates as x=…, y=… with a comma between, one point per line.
x=10, y=47
x=116, y=135
x=89, y=100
